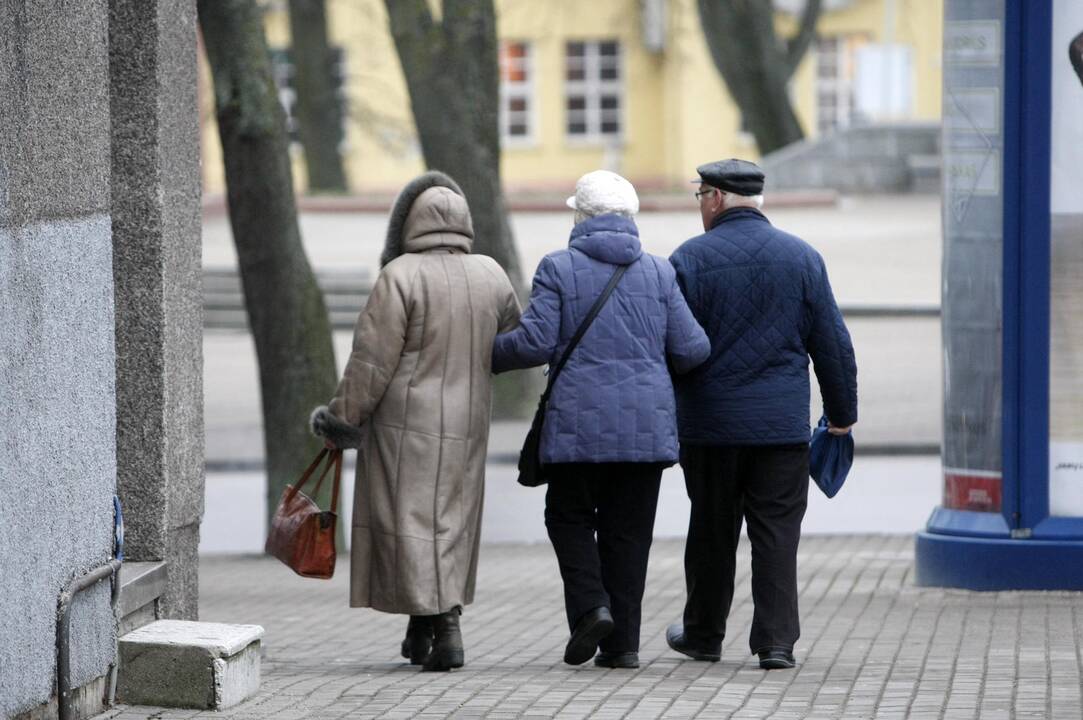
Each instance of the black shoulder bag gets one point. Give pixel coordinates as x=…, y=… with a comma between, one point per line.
x=530, y=467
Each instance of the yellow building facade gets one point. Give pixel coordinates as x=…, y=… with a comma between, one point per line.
x=627, y=85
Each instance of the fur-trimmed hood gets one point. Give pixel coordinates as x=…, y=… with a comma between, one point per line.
x=398, y=232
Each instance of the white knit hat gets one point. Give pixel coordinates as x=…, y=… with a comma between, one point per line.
x=601, y=192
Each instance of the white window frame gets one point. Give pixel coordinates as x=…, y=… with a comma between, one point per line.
x=841, y=86
x=524, y=90
x=592, y=87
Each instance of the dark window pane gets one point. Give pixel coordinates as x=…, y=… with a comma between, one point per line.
x=607, y=48
x=610, y=73
x=577, y=128
x=517, y=129
x=576, y=73
x=610, y=102
x=610, y=127
x=577, y=102
x=517, y=104
x=575, y=49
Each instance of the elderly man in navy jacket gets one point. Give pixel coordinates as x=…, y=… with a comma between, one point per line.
x=763, y=297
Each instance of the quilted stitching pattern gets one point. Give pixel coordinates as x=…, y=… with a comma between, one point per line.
x=614, y=400
x=764, y=299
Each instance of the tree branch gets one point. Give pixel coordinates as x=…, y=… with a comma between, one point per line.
x=798, y=44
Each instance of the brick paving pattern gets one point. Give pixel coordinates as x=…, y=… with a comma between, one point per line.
x=873, y=646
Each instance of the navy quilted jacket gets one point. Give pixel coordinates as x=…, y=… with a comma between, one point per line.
x=614, y=401
x=764, y=299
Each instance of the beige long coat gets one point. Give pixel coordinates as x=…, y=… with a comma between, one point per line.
x=418, y=383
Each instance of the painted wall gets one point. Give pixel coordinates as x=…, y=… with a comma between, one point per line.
x=57, y=360
x=677, y=111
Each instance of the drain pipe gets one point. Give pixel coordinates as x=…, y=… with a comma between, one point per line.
x=63, y=632
x=63, y=635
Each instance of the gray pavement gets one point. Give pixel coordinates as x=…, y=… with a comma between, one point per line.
x=873, y=646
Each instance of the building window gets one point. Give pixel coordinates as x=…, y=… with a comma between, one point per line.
x=593, y=97
x=835, y=82
x=516, y=92
x=284, y=72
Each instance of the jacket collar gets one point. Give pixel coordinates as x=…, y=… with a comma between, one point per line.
x=612, y=239
x=739, y=213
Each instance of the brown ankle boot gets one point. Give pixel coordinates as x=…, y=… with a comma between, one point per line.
x=447, y=646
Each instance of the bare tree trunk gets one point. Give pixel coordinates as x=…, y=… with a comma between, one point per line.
x=319, y=112
x=756, y=64
x=452, y=73
x=285, y=307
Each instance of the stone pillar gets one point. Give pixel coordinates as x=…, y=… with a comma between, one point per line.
x=57, y=446
x=156, y=264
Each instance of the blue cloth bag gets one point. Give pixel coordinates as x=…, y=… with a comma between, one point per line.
x=830, y=457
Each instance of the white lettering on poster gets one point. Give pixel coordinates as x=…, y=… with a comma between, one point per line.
x=971, y=172
x=974, y=42
x=1066, y=478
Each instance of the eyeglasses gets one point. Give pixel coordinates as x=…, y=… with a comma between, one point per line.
x=701, y=193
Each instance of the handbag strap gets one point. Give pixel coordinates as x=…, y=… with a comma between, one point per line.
x=583, y=326
x=335, y=458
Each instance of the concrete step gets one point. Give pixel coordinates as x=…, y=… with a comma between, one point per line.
x=179, y=663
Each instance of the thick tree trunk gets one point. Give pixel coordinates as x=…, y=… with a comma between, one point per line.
x=319, y=112
x=452, y=74
x=285, y=307
x=756, y=64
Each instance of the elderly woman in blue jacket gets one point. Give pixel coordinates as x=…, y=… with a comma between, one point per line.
x=610, y=427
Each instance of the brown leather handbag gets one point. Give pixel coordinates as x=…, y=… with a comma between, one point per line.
x=302, y=535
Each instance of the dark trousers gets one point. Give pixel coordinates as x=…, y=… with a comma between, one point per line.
x=600, y=518
x=767, y=486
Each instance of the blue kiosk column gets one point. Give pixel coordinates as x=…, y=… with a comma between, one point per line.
x=1012, y=509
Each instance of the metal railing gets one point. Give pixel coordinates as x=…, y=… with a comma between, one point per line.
x=345, y=294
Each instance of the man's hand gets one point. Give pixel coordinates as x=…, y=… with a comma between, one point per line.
x=837, y=430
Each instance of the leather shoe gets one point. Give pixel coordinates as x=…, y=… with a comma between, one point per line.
x=675, y=639
x=617, y=660
x=418, y=641
x=588, y=632
x=776, y=659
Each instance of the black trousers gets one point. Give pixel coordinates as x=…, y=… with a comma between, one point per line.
x=600, y=518
x=767, y=486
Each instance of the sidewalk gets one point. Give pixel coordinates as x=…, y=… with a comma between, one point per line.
x=872, y=645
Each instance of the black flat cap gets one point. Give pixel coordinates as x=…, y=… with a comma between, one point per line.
x=736, y=176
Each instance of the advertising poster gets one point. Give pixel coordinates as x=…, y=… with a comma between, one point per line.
x=1066, y=277
x=972, y=214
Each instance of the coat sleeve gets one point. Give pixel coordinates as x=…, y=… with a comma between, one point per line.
x=510, y=309
x=533, y=341
x=378, y=340
x=686, y=344
x=831, y=350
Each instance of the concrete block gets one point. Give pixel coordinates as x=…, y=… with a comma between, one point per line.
x=179, y=663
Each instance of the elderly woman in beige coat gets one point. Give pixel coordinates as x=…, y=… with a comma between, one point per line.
x=415, y=401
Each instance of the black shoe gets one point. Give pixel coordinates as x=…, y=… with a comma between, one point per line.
x=776, y=659
x=418, y=641
x=617, y=660
x=589, y=631
x=447, y=646
x=675, y=639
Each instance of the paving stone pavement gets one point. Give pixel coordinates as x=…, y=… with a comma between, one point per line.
x=873, y=646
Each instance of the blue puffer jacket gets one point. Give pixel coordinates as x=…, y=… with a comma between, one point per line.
x=614, y=401
x=763, y=297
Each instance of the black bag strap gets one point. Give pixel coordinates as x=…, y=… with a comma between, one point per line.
x=582, y=329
